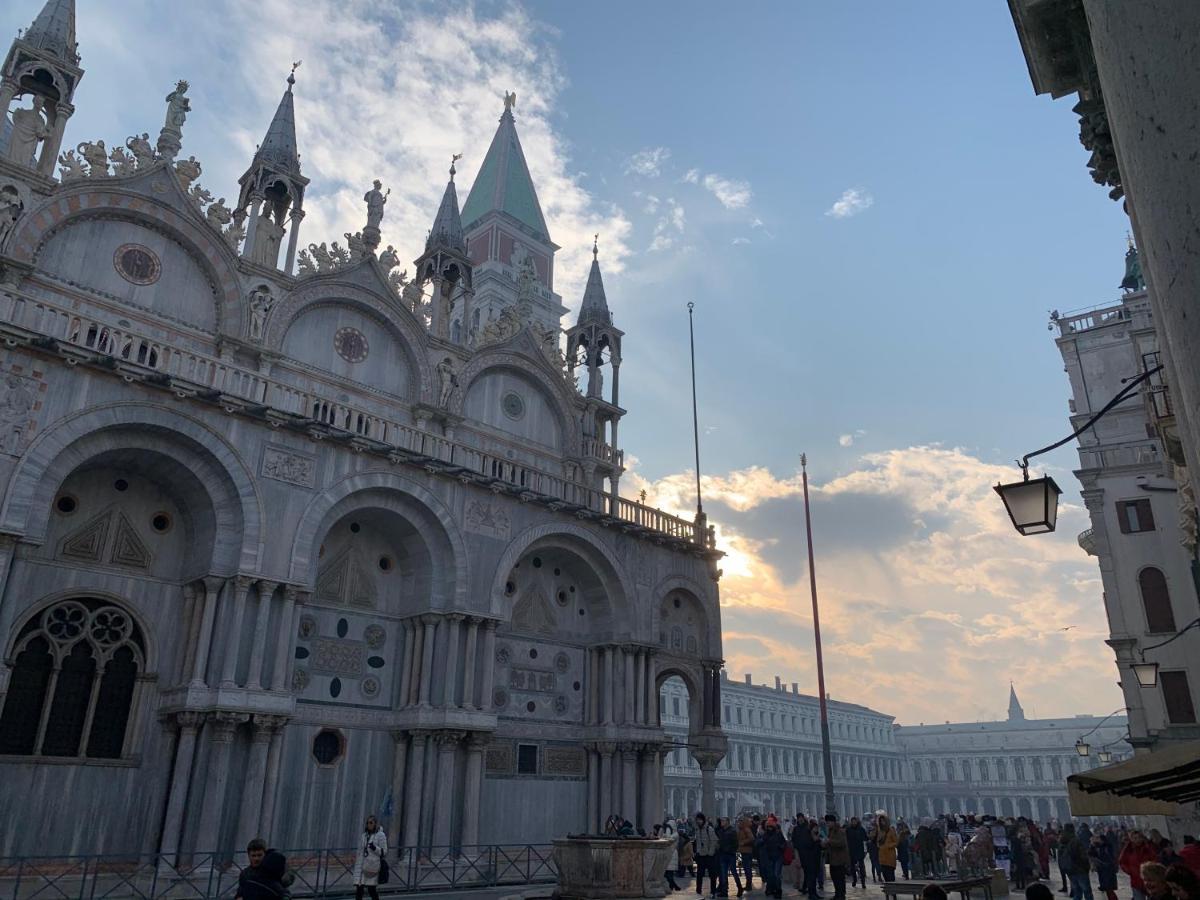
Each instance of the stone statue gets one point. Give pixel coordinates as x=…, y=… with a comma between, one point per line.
x=305, y=265
x=448, y=381
x=338, y=255
x=321, y=257
x=123, y=162
x=261, y=302
x=140, y=147
x=376, y=200
x=398, y=281
x=200, y=196
x=234, y=235
x=411, y=297
x=71, y=166
x=10, y=210
x=1133, y=280
x=178, y=106
x=96, y=156
x=14, y=414
x=29, y=128
x=510, y=100
x=268, y=236
x=358, y=248
x=188, y=171
x=389, y=258
x=218, y=214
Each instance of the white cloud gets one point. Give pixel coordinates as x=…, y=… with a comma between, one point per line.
x=647, y=163
x=846, y=440
x=672, y=223
x=737, y=241
x=732, y=194
x=692, y=176
x=851, y=203
x=756, y=222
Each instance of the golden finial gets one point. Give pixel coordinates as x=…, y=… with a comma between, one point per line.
x=595, y=246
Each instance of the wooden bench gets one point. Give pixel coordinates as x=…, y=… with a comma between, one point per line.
x=893, y=890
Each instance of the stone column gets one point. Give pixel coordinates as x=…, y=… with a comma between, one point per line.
x=233, y=644
x=629, y=794
x=608, y=686
x=256, y=773
x=606, y=780
x=429, y=623
x=258, y=652
x=708, y=762
x=627, y=686
x=488, y=661
x=412, y=799
x=48, y=152
x=399, y=760
x=593, y=789
x=223, y=725
x=648, y=813
x=284, y=641
x=450, y=680
x=189, y=725
x=295, y=216
x=413, y=663
x=472, y=789
x=639, y=684
x=716, y=696
x=8, y=90
x=471, y=664
x=204, y=639
x=266, y=822
x=706, y=701
x=255, y=203
x=447, y=742
x=194, y=612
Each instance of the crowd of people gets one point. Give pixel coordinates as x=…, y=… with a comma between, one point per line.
x=808, y=853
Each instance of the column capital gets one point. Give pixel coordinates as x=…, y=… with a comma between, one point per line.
x=429, y=618
x=267, y=588
x=189, y=720
x=296, y=213
x=448, y=740
x=225, y=723
x=266, y=726
x=605, y=748
x=291, y=593
x=244, y=582
x=477, y=740
x=212, y=583
x=455, y=617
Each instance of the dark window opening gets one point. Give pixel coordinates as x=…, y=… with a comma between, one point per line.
x=1135, y=516
x=1156, y=600
x=527, y=759
x=1177, y=697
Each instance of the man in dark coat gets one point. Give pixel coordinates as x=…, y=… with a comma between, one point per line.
x=808, y=849
x=856, y=837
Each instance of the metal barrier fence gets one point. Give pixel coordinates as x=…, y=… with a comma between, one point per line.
x=317, y=874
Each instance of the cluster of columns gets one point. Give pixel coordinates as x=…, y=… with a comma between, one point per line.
x=425, y=773
x=464, y=648
x=47, y=155
x=260, y=778
x=211, y=598
x=621, y=689
x=624, y=779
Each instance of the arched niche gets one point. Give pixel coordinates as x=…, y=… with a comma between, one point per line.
x=350, y=341
x=512, y=401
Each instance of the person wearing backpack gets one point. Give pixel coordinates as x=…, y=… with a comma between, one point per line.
x=370, y=869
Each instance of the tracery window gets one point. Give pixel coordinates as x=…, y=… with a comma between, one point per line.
x=73, y=683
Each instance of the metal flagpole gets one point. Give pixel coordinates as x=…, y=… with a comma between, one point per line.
x=826, y=755
x=695, y=418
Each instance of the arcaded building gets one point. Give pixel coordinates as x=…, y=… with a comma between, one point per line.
x=288, y=537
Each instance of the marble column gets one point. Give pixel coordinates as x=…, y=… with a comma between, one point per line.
x=471, y=664
x=608, y=686
x=447, y=742
x=472, y=790
x=488, y=661
x=48, y=153
x=255, y=203
x=181, y=777
x=639, y=686
x=216, y=783
x=406, y=645
x=285, y=640
x=716, y=697
x=249, y=817
x=708, y=780
x=706, y=700
x=450, y=678
x=258, y=652
x=233, y=642
x=399, y=761
x=295, y=216
x=416, y=780
x=627, y=687
x=430, y=624
x=194, y=606
x=266, y=822
x=593, y=789
x=629, y=794
x=204, y=640
x=648, y=807
x=606, y=780
x=413, y=664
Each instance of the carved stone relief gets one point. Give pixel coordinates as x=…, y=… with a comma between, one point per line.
x=289, y=466
x=487, y=518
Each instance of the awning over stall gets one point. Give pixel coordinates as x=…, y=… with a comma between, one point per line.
x=1150, y=784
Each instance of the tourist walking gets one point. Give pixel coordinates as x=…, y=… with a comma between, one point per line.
x=745, y=846
x=1071, y=846
x=727, y=857
x=856, y=840
x=265, y=878
x=371, y=865
x=838, y=847
x=667, y=831
x=771, y=842
x=1105, y=865
x=953, y=851
x=904, y=847
x=806, y=843
x=886, y=842
x=704, y=848
x=1137, y=850
x=873, y=851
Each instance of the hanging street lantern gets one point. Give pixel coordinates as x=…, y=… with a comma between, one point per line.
x=1146, y=673
x=1083, y=748
x=1032, y=504
x=1105, y=756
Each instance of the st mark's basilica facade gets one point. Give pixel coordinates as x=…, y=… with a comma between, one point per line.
x=280, y=550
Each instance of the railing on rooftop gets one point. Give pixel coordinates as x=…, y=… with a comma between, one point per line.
x=1074, y=323
x=190, y=373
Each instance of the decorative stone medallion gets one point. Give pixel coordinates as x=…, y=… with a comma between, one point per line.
x=308, y=627
x=137, y=264
x=374, y=635
x=351, y=344
x=503, y=655
x=370, y=687
x=513, y=405
x=299, y=679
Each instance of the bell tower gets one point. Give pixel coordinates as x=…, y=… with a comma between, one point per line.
x=42, y=65
x=593, y=342
x=272, y=190
x=447, y=271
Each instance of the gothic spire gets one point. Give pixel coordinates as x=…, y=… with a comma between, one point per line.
x=1015, y=712
x=447, y=231
x=279, y=145
x=54, y=30
x=595, y=304
x=504, y=183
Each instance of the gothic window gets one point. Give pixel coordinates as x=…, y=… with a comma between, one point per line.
x=74, y=675
x=1156, y=600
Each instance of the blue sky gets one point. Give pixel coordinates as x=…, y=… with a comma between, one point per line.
x=904, y=346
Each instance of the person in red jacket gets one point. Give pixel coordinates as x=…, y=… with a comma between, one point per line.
x=1137, y=850
x=1190, y=853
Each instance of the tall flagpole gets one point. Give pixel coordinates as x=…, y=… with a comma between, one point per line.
x=695, y=419
x=826, y=755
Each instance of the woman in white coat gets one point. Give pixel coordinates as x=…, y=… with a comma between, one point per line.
x=372, y=848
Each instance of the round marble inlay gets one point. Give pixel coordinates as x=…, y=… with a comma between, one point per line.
x=137, y=264
x=513, y=405
x=351, y=344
